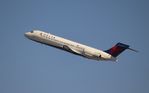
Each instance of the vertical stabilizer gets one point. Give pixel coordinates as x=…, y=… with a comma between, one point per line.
x=117, y=49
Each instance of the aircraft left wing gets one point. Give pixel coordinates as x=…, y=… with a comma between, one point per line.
x=71, y=49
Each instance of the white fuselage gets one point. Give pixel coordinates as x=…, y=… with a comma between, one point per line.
x=68, y=45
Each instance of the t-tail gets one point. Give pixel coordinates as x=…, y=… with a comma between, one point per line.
x=118, y=49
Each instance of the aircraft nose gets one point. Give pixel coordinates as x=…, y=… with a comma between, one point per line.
x=26, y=34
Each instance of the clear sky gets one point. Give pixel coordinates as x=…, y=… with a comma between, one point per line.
x=29, y=67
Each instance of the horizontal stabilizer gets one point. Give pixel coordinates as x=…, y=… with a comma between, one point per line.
x=133, y=50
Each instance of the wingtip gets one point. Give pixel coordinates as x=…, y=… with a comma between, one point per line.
x=133, y=50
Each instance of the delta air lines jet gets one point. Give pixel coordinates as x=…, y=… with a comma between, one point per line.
x=77, y=48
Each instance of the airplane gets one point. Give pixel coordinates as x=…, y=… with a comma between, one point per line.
x=77, y=48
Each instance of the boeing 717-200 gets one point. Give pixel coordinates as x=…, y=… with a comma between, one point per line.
x=77, y=48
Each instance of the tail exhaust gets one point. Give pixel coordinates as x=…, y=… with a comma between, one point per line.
x=118, y=49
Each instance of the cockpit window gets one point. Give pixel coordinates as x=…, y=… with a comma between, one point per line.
x=32, y=31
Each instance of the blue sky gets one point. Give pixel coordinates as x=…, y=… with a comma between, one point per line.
x=29, y=67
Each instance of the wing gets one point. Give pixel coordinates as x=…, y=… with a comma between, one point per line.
x=71, y=49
